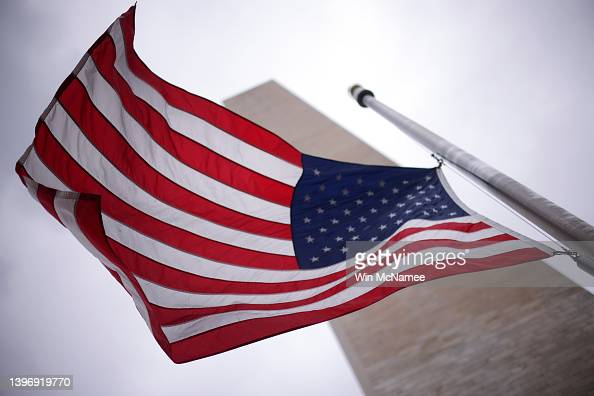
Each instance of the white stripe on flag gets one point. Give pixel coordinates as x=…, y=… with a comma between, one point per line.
x=32, y=188
x=40, y=173
x=201, y=131
x=171, y=298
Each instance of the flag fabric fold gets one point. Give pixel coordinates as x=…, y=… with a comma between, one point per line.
x=221, y=232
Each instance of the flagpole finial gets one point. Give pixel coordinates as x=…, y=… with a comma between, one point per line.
x=359, y=93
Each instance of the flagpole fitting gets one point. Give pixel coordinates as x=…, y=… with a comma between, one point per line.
x=439, y=159
x=573, y=255
x=359, y=93
x=586, y=263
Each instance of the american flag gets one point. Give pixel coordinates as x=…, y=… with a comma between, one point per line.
x=221, y=232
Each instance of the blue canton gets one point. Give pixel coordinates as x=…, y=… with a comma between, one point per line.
x=335, y=202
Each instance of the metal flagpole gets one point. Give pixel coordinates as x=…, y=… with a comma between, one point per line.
x=567, y=228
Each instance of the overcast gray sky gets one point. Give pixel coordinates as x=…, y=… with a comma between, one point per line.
x=509, y=81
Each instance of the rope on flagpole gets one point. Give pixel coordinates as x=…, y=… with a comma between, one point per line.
x=437, y=158
x=510, y=209
x=462, y=174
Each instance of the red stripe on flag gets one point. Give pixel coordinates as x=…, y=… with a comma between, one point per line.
x=453, y=226
x=22, y=172
x=114, y=274
x=46, y=198
x=177, y=279
x=214, y=114
x=518, y=256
